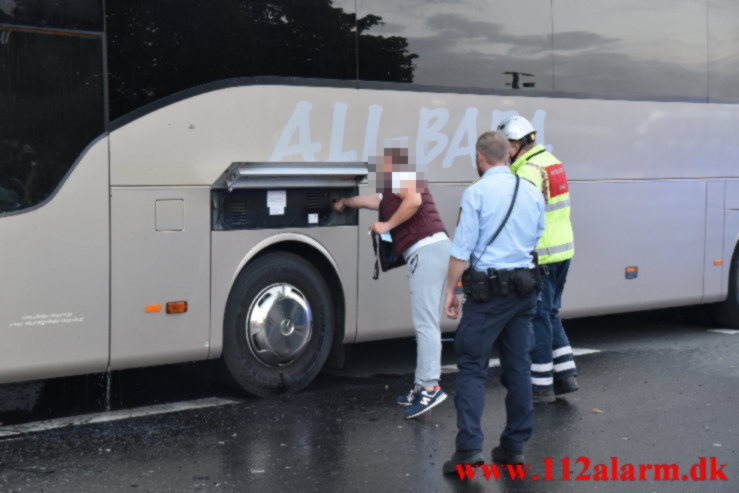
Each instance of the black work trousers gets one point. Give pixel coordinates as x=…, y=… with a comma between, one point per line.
x=507, y=321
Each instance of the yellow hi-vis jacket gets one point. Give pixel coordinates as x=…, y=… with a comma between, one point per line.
x=547, y=173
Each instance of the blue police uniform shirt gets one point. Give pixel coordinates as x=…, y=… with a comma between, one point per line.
x=483, y=207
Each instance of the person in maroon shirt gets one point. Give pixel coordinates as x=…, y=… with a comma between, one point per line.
x=418, y=234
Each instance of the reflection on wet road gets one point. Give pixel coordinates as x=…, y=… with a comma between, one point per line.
x=660, y=391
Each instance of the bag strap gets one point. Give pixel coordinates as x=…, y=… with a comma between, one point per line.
x=505, y=220
x=376, y=248
x=376, y=241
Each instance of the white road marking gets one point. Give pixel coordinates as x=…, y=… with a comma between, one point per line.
x=496, y=362
x=583, y=351
x=86, y=419
x=730, y=332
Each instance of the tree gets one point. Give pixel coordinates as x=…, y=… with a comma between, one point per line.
x=158, y=48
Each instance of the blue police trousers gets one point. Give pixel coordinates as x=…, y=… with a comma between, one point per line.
x=507, y=322
x=551, y=356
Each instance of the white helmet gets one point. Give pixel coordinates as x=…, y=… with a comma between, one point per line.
x=517, y=127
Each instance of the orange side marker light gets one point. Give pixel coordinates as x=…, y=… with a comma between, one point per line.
x=718, y=262
x=153, y=308
x=176, y=307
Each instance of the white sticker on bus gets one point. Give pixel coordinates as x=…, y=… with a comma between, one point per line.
x=42, y=319
x=276, y=202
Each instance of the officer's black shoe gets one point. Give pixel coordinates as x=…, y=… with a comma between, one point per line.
x=565, y=385
x=504, y=456
x=463, y=458
x=543, y=396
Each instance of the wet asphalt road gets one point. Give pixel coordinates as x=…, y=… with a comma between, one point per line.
x=662, y=390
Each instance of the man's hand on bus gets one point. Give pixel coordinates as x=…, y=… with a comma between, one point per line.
x=371, y=202
x=380, y=227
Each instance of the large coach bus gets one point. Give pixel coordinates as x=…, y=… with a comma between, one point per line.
x=167, y=167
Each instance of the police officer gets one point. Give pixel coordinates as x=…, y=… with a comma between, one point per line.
x=553, y=368
x=502, y=313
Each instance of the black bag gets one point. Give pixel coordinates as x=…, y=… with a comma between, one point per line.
x=524, y=281
x=384, y=254
x=475, y=285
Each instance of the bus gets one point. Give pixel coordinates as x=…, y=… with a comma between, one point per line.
x=167, y=168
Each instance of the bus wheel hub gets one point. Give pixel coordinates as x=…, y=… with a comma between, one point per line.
x=279, y=324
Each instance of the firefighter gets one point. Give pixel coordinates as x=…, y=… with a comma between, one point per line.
x=553, y=368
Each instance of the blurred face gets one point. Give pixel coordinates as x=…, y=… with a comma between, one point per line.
x=392, y=160
x=387, y=163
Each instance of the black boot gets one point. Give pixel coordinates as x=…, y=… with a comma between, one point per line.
x=543, y=396
x=504, y=456
x=565, y=385
x=463, y=458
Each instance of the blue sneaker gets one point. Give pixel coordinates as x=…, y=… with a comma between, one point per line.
x=406, y=398
x=424, y=401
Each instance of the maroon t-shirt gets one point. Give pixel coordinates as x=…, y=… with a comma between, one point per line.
x=425, y=222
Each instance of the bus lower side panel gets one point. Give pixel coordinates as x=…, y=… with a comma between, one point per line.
x=160, y=253
x=657, y=226
x=663, y=227
x=54, y=300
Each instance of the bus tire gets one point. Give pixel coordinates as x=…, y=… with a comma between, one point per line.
x=278, y=327
x=727, y=312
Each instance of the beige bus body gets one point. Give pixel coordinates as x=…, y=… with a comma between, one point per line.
x=130, y=227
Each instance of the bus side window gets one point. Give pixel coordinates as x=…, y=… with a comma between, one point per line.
x=51, y=108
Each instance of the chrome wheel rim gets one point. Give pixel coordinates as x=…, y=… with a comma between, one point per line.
x=279, y=325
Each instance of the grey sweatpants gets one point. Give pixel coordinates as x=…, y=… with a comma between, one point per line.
x=427, y=273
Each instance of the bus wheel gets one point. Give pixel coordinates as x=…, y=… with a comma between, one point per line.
x=279, y=325
x=727, y=312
